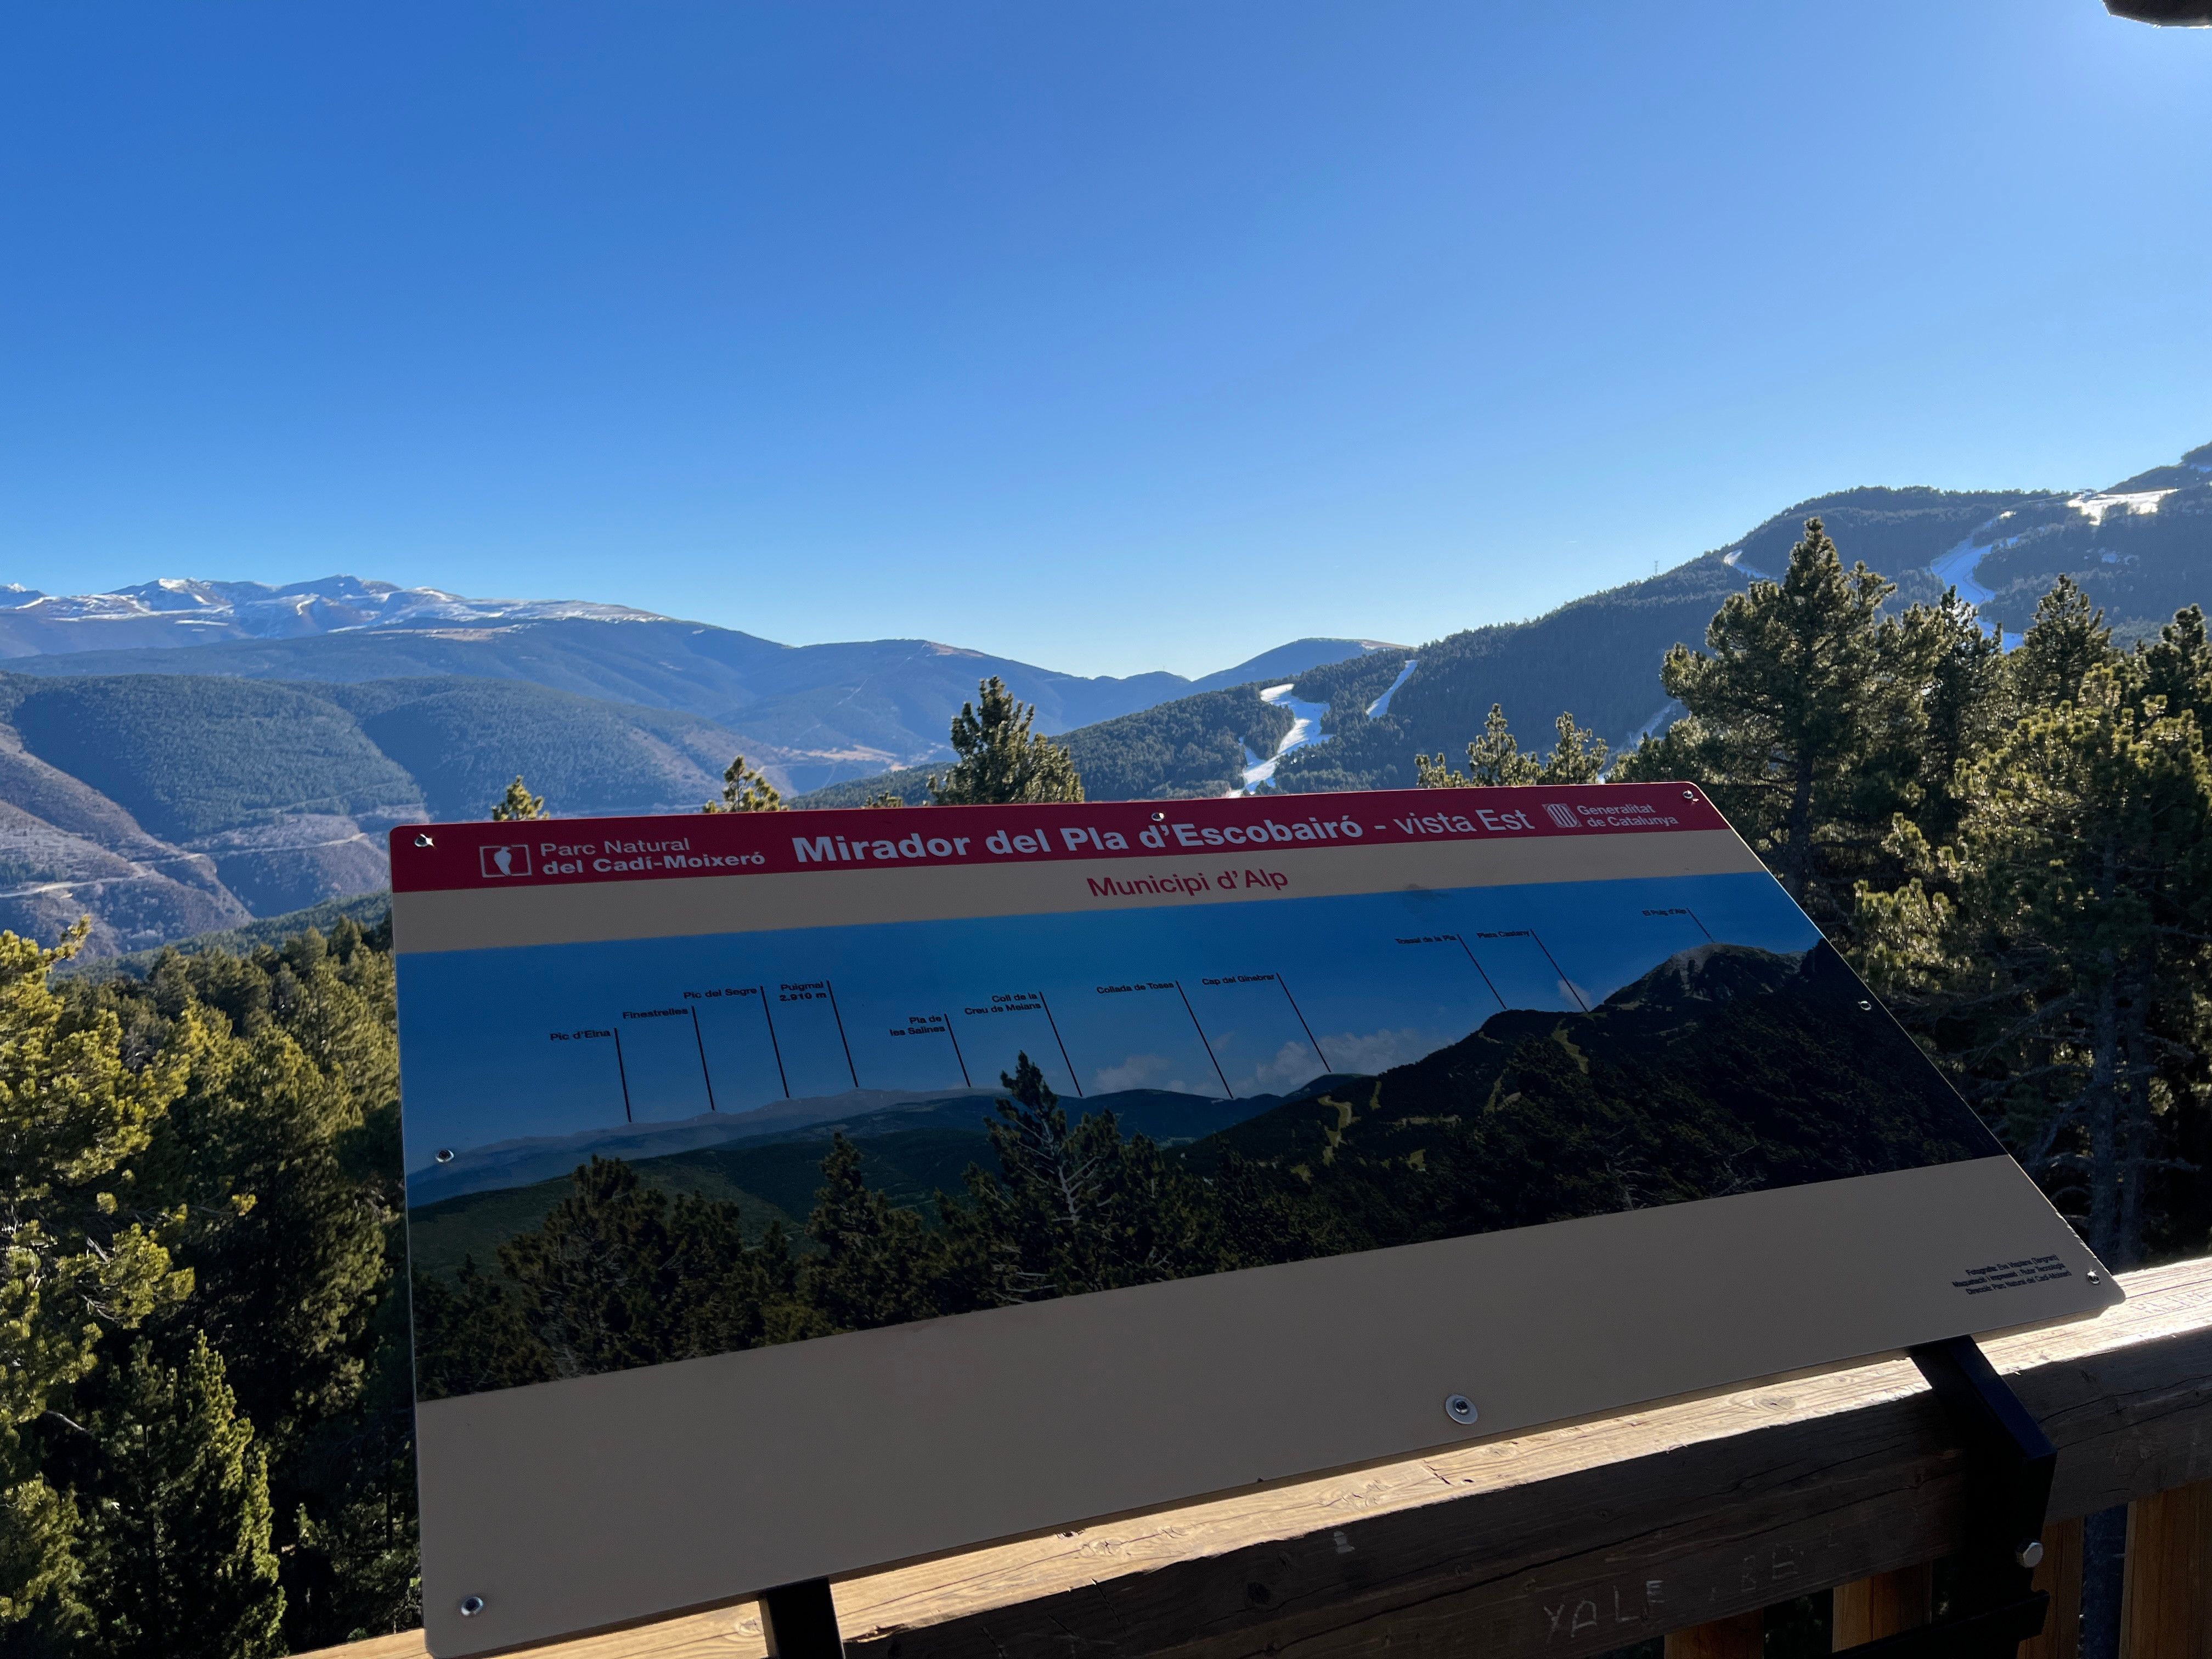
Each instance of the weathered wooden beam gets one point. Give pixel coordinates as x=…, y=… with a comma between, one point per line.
x=1574, y=1540
x=1867, y=1609
x=1741, y=1636
x=2166, y=1611
x=1582, y=1539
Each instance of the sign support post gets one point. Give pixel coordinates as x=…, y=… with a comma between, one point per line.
x=800, y=1621
x=2009, y=1462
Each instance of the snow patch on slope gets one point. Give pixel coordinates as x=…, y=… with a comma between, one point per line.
x=1382, y=704
x=1956, y=568
x=1305, y=731
x=1670, y=711
x=2093, y=507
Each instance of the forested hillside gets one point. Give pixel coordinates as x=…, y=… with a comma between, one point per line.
x=811, y=714
x=1191, y=746
x=167, y=806
x=2137, y=549
x=2142, y=551
x=205, y=1442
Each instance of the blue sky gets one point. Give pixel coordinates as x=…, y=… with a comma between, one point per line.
x=1141, y=999
x=1110, y=337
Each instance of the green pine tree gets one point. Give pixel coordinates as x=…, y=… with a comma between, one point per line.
x=1803, y=722
x=615, y=1276
x=1076, y=1209
x=78, y=1257
x=469, y=1335
x=518, y=804
x=1495, y=758
x=282, y=1154
x=1000, y=761
x=1579, y=757
x=878, y=1264
x=2067, y=638
x=745, y=788
x=2178, y=668
x=178, y=1556
x=2068, y=977
x=1959, y=666
x=288, y=1261
x=596, y=1280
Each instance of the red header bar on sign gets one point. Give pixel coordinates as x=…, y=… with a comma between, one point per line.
x=553, y=852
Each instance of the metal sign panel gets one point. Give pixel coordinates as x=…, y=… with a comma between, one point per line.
x=791, y=1194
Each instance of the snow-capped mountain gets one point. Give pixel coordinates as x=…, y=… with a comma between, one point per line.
x=180, y=611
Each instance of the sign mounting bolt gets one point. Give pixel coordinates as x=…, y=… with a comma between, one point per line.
x=422, y=839
x=472, y=1606
x=1460, y=1408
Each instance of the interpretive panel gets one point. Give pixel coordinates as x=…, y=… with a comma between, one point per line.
x=790, y=1192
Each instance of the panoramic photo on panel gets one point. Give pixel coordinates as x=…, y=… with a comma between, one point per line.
x=623, y=1151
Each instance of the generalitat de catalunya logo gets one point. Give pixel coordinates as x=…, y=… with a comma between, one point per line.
x=512, y=859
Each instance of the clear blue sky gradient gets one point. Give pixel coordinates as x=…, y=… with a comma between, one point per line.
x=1109, y=337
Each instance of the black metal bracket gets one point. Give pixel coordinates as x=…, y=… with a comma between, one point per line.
x=2009, y=1461
x=800, y=1621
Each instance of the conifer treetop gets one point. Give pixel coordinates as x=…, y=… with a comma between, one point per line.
x=1001, y=761
x=518, y=804
x=745, y=788
x=1495, y=758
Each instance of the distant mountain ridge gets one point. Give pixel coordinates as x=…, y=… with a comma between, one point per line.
x=178, y=788
x=1725, y=1068
x=811, y=714
x=166, y=805
x=2141, y=549
x=175, y=611
x=1168, y=1118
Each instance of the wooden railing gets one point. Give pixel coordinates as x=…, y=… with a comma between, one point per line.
x=1685, y=1519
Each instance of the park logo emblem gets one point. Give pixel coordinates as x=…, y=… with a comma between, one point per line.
x=511, y=860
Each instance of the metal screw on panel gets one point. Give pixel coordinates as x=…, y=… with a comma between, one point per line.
x=422, y=840
x=1159, y=817
x=2029, y=1554
x=472, y=1606
x=1460, y=1408
x=445, y=1155
x=1689, y=795
x=2092, y=1278
x=1866, y=1007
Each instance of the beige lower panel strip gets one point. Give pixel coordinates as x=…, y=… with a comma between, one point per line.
x=571, y=1505
x=490, y=917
